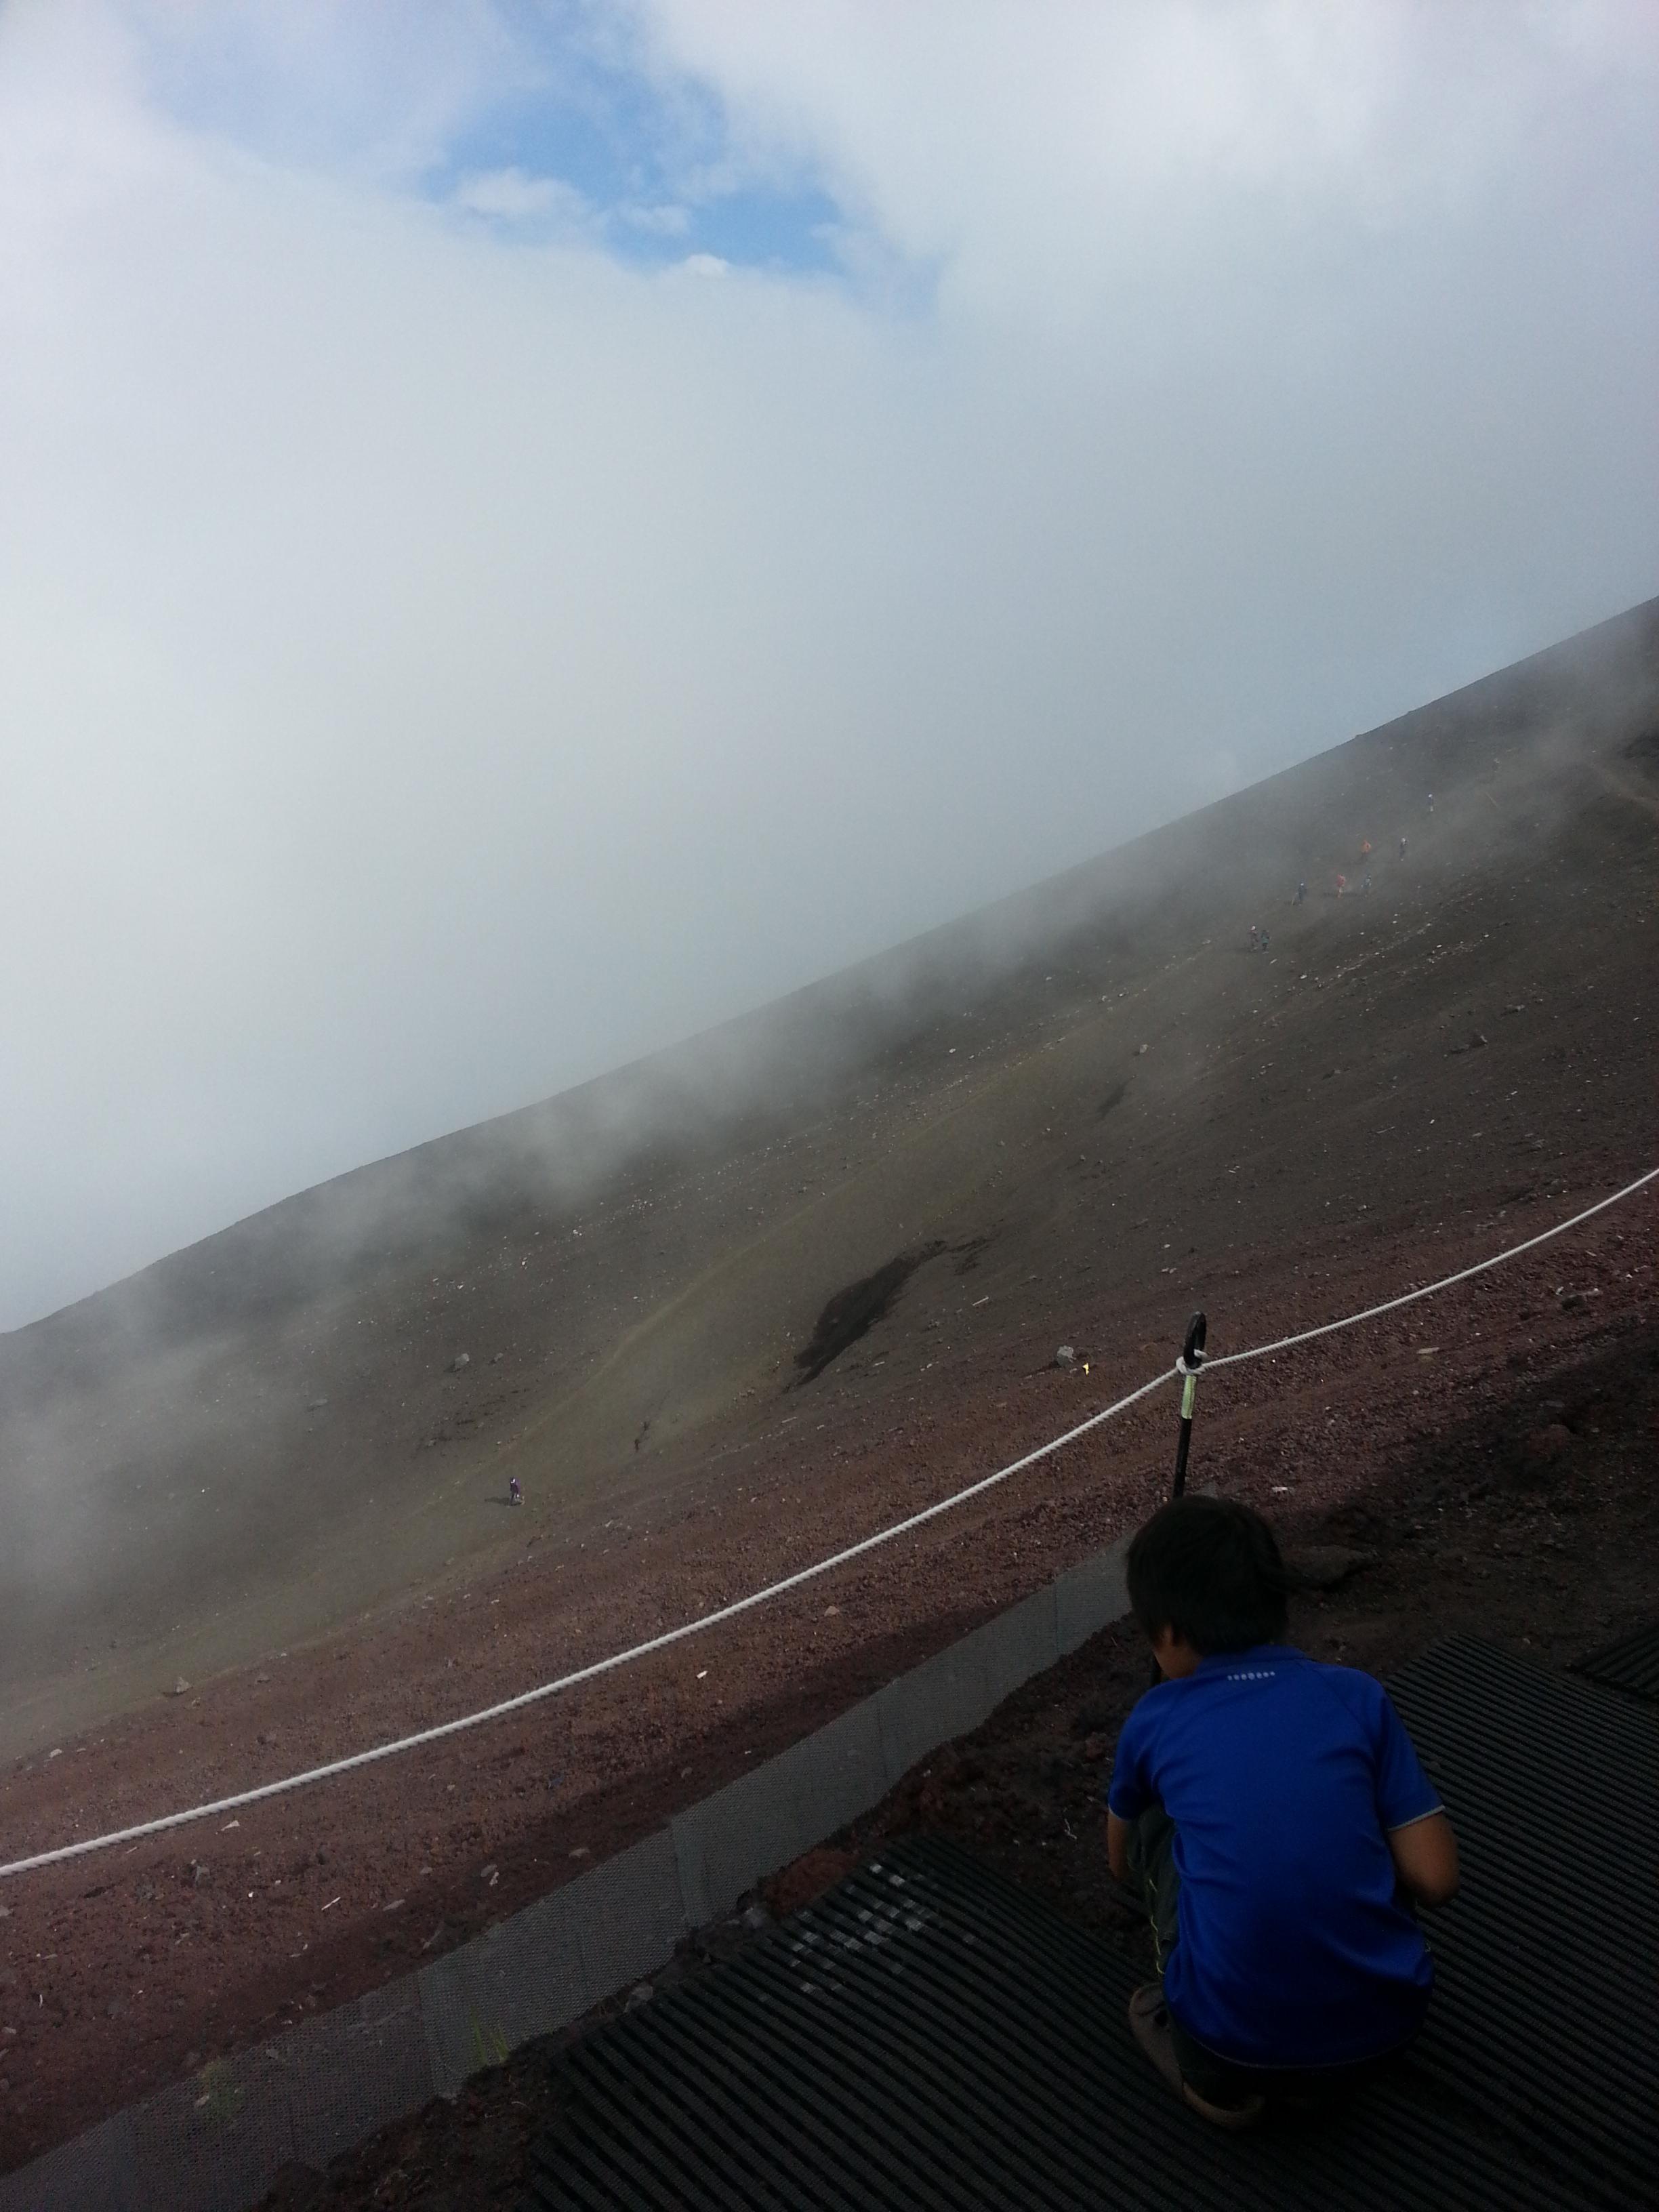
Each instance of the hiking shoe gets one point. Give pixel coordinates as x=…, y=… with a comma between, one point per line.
x=1148, y=2023
x=1231, y=2117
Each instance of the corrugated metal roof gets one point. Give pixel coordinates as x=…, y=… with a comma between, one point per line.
x=929, y=2034
x=1546, y=2016
x=1631, y=1664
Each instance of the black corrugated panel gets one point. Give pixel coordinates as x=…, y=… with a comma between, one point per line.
x=1546, y=2013
x=928, y=2035
x=1630, y=1665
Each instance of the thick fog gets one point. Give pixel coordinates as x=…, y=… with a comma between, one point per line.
x=525, y=530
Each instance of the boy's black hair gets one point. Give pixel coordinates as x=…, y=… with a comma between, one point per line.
x=1210, y=1568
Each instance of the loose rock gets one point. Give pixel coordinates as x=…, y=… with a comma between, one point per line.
x=1324, y=1566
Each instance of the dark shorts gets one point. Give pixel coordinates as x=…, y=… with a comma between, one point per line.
x=1154, y=1870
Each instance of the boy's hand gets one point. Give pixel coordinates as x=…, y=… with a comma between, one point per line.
x=1425, y=1854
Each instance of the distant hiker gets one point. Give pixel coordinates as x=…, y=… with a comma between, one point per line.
x=1301, y=894
x=1431, y=802
x=1365, y=849
x=1402, y=848
x=1264, y=941
x=1256, y=937
x=515, y=1491
x=1342, y=885
x=1274, y=1816
x=1366, y=885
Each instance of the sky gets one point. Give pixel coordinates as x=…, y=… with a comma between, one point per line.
x=530, y=527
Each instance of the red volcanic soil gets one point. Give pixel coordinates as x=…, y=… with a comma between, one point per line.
x=1117, y=1113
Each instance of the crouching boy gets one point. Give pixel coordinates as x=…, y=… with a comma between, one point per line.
x=1273, y=1815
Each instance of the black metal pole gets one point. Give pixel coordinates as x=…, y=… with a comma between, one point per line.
x=1192, y=1359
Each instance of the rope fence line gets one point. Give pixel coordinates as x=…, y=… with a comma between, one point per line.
x=722, y=1613
x=1428, y=1290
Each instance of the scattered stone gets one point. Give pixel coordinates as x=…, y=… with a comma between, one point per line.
x=57, y=1751
x=491, y=1876
x=498, y=1359
x=179, y=1690
x=1324, y=1566
x=396, y=1904
x=581, y=1851
x=462, y=1360
x=830, y=1611
x=1140, y=1049
x=201, y=1874
x=1574, y=1301
x=1066, y=1357
x=316, y=1404
x=1095, y=1748
x=262, y=1678
x=755, y=1917
x=640, y=1994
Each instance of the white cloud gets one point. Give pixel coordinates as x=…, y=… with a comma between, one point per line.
x=668, y=221
x=705, y=265
x=514, y=196
x=1044, y=158
x=442, y=662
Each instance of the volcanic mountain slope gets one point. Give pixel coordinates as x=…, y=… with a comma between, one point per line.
x=1095, y=1088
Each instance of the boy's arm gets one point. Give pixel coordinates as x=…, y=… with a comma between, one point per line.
x=1425, y=1855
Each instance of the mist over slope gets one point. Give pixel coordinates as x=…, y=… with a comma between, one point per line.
x=1079, y=1100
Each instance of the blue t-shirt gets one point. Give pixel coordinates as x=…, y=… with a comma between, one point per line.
x=1282, y=1777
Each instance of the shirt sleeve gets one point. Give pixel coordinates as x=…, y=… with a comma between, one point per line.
x=1403, y=1792
x=1130, y=1792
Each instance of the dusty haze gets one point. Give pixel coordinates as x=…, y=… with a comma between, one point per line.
x=471, y=616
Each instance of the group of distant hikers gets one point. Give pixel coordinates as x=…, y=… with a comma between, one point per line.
x=1260, y=938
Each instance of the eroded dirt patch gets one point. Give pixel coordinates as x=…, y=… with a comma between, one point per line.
x=854, y=1311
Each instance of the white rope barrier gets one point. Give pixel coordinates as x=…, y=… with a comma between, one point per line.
x=581, y=1674
x=725, y=1612
x=1428, y=1290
